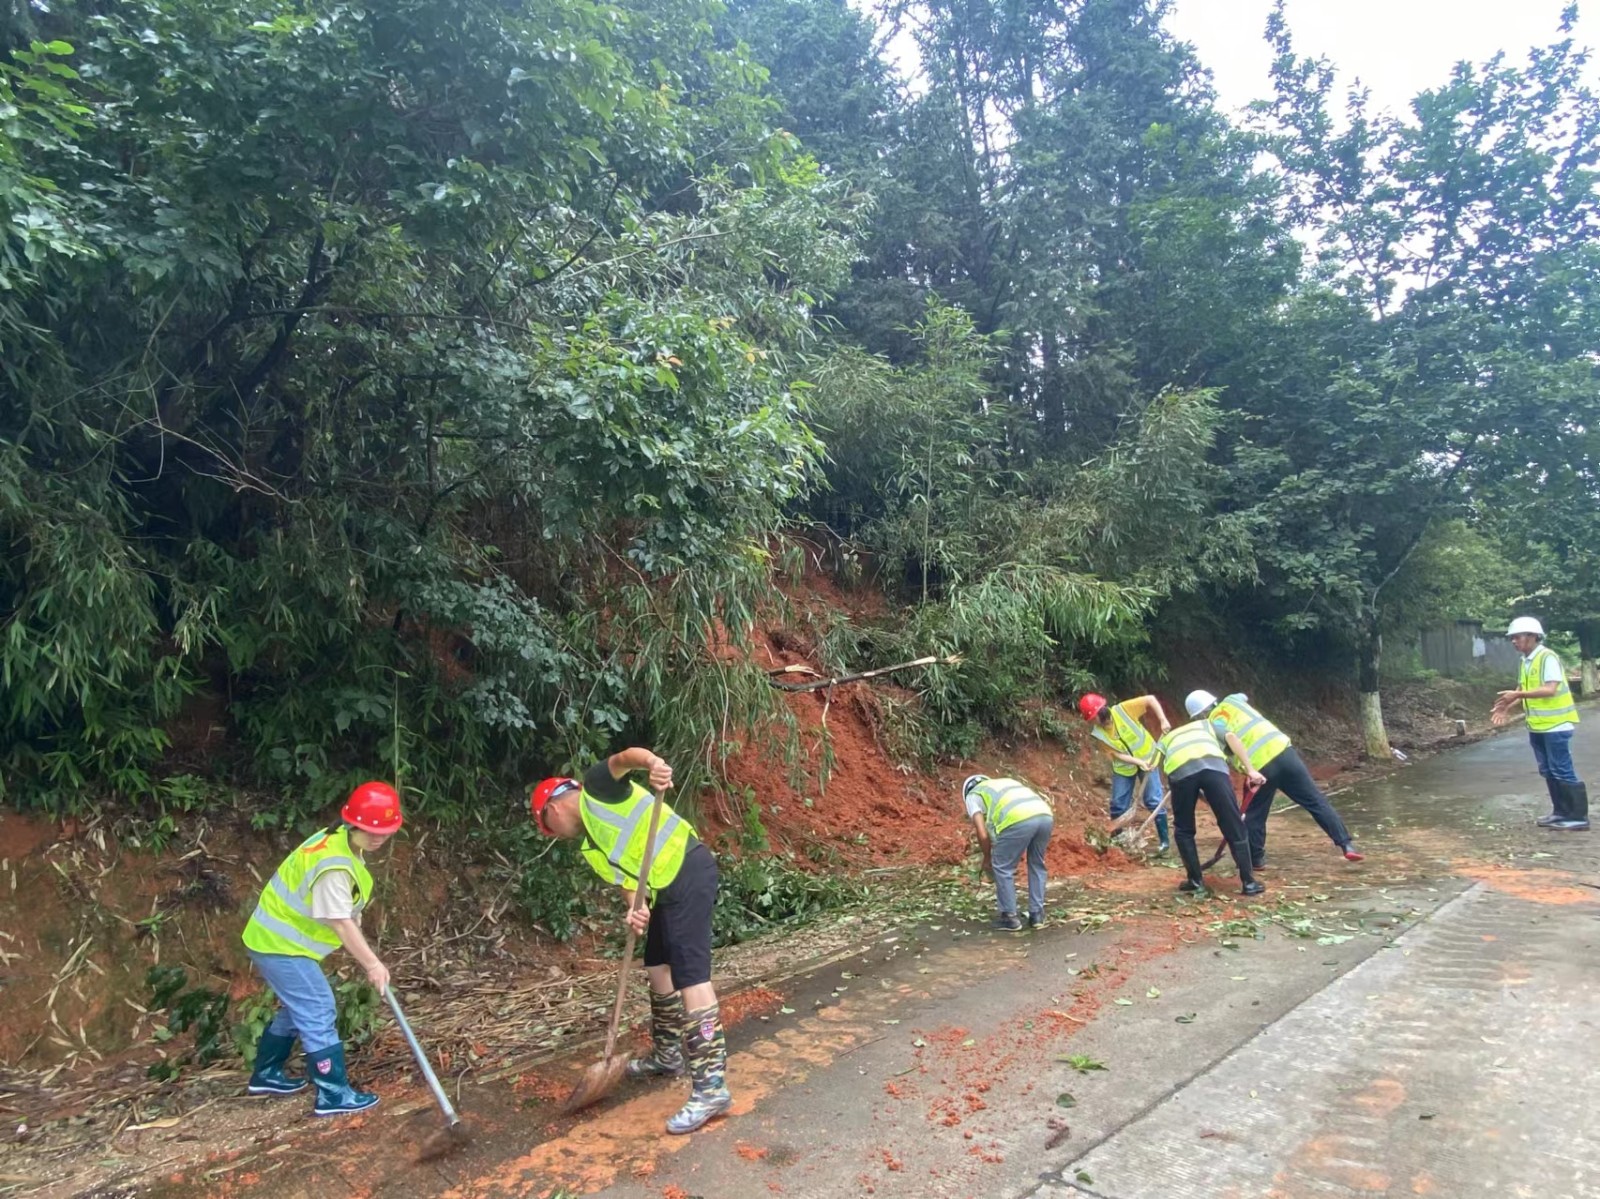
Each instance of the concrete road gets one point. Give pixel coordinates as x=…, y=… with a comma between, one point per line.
x=1419, y=1024
x=1445, y=1048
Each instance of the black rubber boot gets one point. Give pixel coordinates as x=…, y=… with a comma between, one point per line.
x=1576, y=819
x=1250, y=885
x=1558, y=804
x=1190, y=856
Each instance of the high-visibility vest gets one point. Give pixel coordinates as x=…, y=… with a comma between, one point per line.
x=1131, y=737
x=282, y=922
x=1545, y=714
x=1262, y=740
x=616, y=832
x=1006, y=801
x=1188, y=743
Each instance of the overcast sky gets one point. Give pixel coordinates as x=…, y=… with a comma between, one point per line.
x=1396, y=47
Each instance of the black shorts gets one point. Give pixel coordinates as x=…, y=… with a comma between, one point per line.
x=679, y=934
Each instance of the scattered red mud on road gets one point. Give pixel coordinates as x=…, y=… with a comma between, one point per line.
x=751, y=1153
x=1553, y=887
x=753, y=1001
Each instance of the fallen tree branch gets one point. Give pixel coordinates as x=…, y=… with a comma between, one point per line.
x=818, y=684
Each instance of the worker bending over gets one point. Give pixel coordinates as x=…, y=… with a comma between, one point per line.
x=308, y=909
x=1012, y=821
x=1195, y=765
x=1264, y=752
x=611, y=815
x=1120, y=730
x=1552, y=714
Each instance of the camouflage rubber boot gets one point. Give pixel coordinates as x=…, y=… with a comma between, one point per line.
x=707, y=1051
x=666, y=1039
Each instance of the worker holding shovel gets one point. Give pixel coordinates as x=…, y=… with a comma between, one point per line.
x=1121, y=732
x=1196, y=767
x=612, y=815
x=1270, y=763
x=308, y=909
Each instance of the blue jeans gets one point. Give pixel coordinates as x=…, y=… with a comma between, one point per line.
x=1031, y=837
x=1122, y=792
x=306, y=1005
x=1553, y=752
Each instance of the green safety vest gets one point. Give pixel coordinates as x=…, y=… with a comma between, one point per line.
x=282, y=922
x=614, y=846
x=1262, y=740
x=1545, y=714
x=1189, y=743
x=1006, y=802
x=1132, y=738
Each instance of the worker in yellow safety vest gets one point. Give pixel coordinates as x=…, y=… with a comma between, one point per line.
x=308, y=909
x=1552, y=715
x=1121, y=732
x=610, y=814
x=1269, y=760
x=1013, y=821
x=1194, y=760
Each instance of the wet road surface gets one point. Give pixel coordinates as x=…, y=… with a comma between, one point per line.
x=1416, y=1024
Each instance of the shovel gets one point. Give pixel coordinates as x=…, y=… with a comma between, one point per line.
x=600, y=1079
x=1222, y=845
x=454, y=1134
x=1131, y=838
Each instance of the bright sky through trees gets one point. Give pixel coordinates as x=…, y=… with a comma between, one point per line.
x=1395, y=47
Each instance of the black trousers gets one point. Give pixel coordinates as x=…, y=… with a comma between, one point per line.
x=679, y=932
x=1217, y=788
x=1287, y=773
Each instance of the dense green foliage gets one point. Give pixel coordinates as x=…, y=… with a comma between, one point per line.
x=427, y=389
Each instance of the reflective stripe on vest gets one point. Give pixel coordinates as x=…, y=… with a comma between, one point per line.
x=1133, y=739
x=1007, y=802
x=1189, y=743
x=1262, y=739
x=1546, y=713
x=282, y=922
x=616, y=835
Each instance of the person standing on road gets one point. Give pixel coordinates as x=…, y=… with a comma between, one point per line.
x=611, y=814
x=308, y=909
x=1012, y=820
x=1552, y=715
x=1121, y=731
x=1195, y=764
x=1266, y=755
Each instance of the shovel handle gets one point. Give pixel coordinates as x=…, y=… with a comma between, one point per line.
x=645, y=860
x=422, y=1058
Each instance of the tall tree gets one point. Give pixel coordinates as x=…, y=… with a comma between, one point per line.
x=1444, y=334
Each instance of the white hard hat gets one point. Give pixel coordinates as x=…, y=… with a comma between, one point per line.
x=1199, y=701
x=972, y=781
x=1525, y=624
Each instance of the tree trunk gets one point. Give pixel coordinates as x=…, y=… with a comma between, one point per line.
x=1373, y=735
x=1589, y=649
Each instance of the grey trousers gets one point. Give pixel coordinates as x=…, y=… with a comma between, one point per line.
x=1031, y=837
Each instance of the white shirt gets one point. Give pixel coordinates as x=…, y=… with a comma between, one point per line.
x=1553, y=672
x=333, y=896
x=974, y=802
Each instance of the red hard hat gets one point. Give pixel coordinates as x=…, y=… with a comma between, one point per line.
x=1091, y=705
x=545, y=792
x=374, y=807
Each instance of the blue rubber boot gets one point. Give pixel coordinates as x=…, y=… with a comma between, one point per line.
x=268, y=1076
x=335, y=1095
x=1161, y=833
